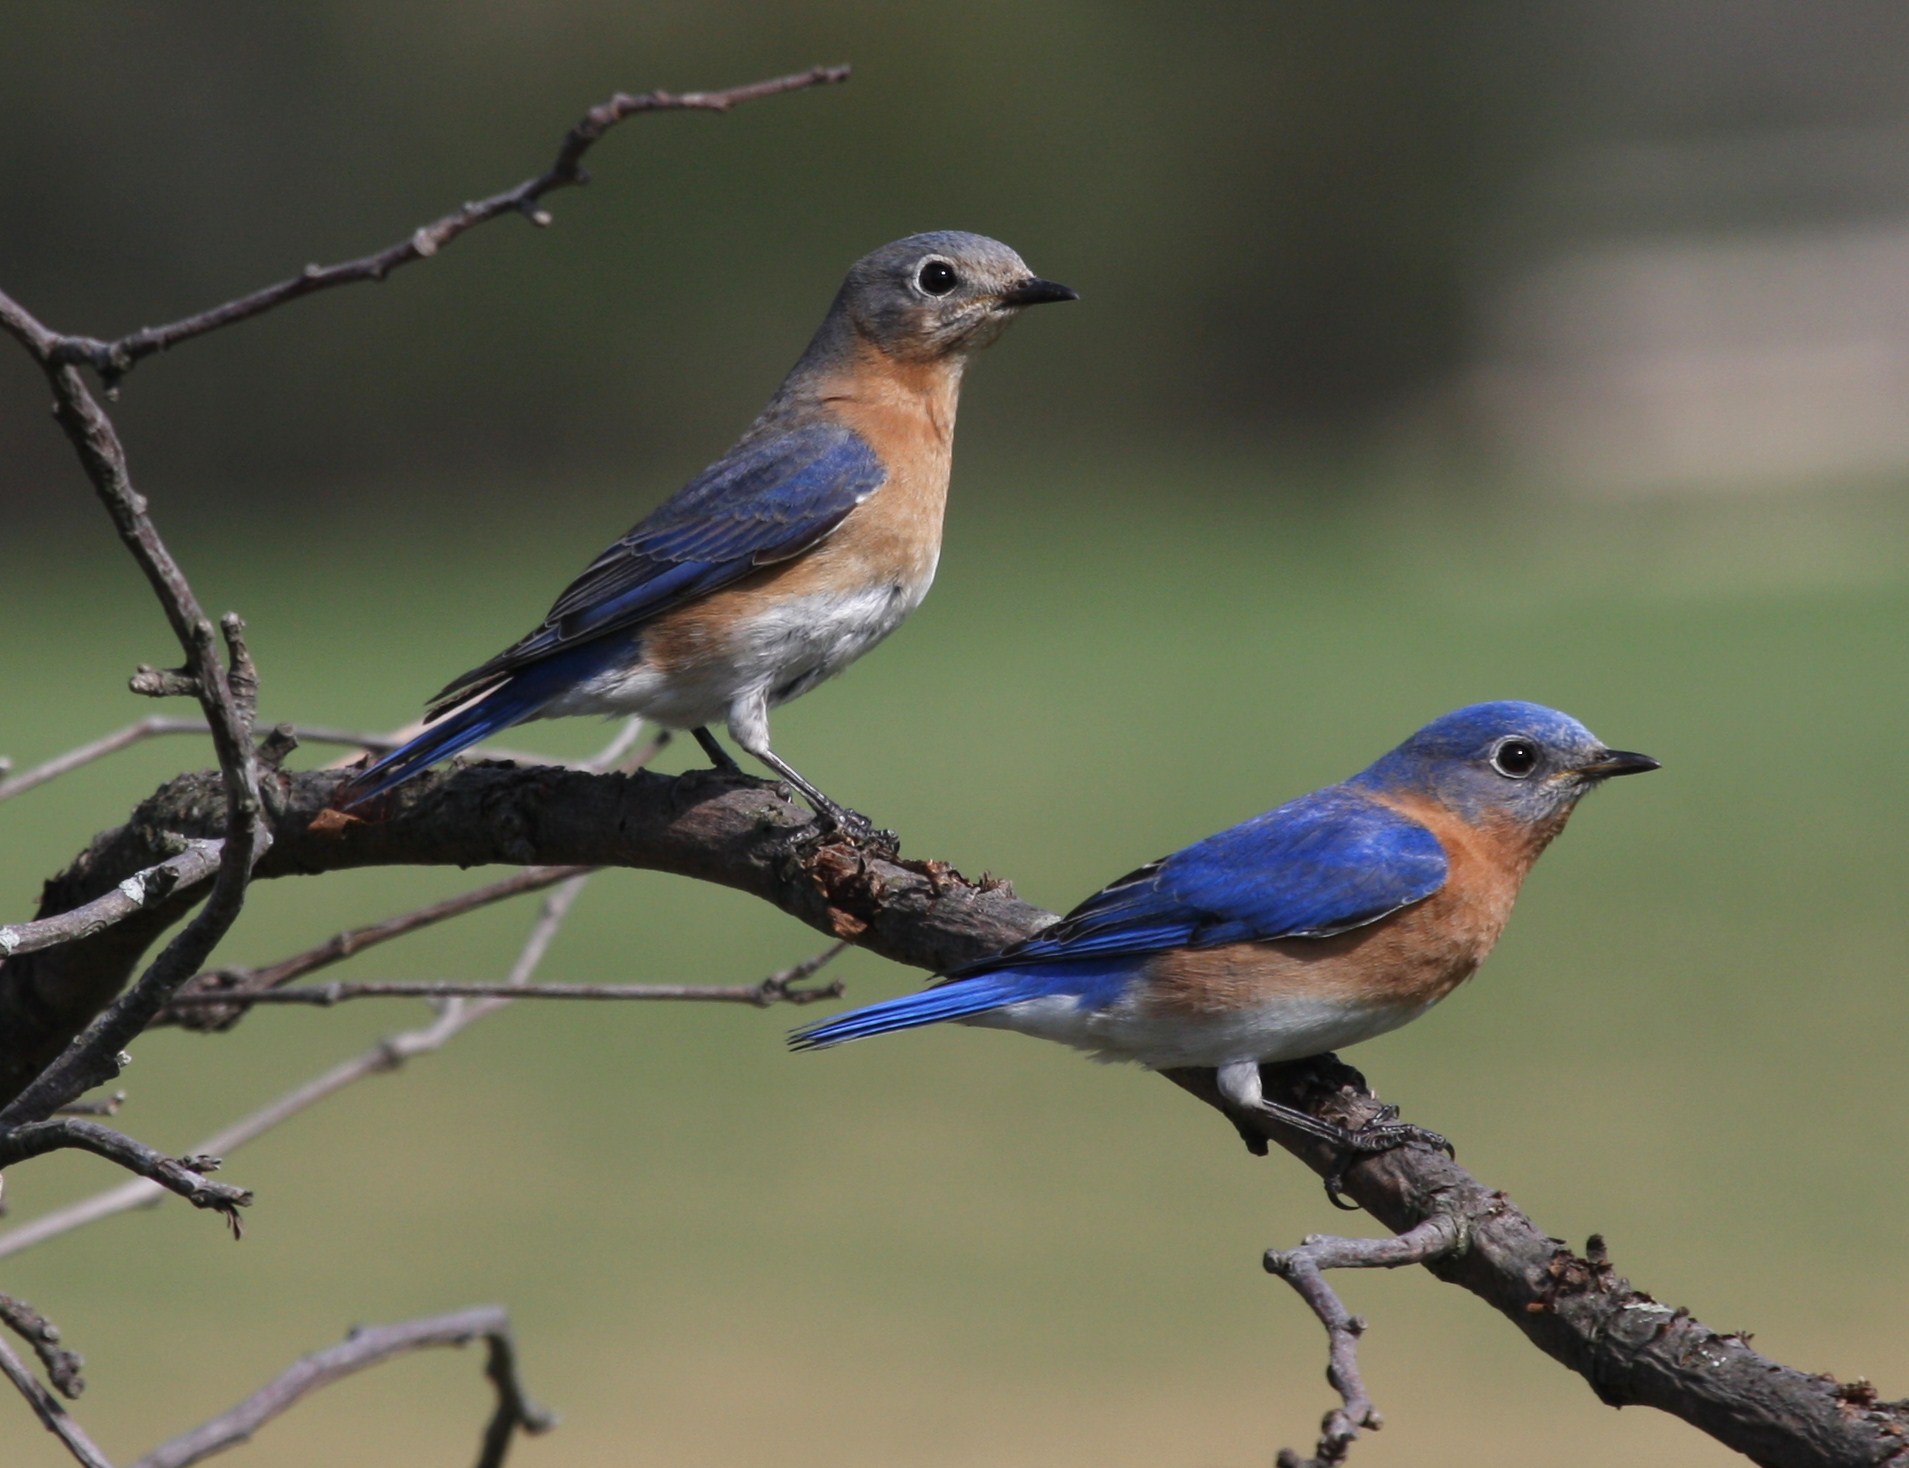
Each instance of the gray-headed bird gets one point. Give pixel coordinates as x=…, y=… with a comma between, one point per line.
x=789, y=557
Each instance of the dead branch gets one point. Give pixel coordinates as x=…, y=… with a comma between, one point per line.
x=62, y=1366
x=212, y=1000
x=777, y=988
x=185, y=1176
x=227, y=691
x=112, y=360
x=160, y=726
x=47, y=1407
x=1303, y=1268
x=199, y=861
x=367, y=1346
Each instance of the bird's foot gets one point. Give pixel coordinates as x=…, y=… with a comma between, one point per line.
x=1384, y=1133
x=851, y=826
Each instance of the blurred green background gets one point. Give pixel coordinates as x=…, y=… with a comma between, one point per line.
x=1425, y=355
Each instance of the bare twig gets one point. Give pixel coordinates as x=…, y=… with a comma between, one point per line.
x=51, y=1413
x=114, y=359
x=227, y=692
x=1302, y=1268
x=62, y=1366
x=190, y=867
x=367, y=1346
x=388, y=1054
x=160, y=726
x=223, y=989
x=777, y=988
x=182, y=1175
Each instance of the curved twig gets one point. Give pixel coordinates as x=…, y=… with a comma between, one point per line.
x=185, y=1176
x=367, y=1346
x=53, y=1416
x=114, y=359
x=1303, y=1268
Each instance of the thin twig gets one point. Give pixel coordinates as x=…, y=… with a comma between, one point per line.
x=114, y=359
x=386, y=1056
x=160, y=726
x=777, y=988
x=225, y=991
x=49, y=1410
x=227, y=693
x=1302, y=1268
x=62, y=1366
x=368, y=1346
x=185, y=1176
x=198, y=861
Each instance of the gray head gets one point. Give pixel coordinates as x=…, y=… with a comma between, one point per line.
x=937, y=295
x=1493, y=762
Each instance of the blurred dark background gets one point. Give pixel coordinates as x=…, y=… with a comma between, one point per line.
x=1425, y=354
x=1428, y=228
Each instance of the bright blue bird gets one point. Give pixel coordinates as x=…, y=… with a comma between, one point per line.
x=1336, y=917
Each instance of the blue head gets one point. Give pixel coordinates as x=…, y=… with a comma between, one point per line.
x=935, y=296
x=1497, y=761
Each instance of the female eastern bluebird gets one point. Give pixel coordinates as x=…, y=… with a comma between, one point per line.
x=1338, y=916
x=789, y=557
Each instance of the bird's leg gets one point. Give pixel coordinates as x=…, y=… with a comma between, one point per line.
x=749, y=727
x=850, y=823
x=721, y=758
x=1239, y=1083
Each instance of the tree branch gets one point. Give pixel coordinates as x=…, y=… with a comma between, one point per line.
x=221, y=991
x=1303, y=1268
x=185, y=1176
x=52, y=1415
x=159, y=726
x=62, y=1366
x=777, y=988
x=227, y=692
x=1632, y=1350
x=367, y=1346
x=188, y=869
x=114, y=359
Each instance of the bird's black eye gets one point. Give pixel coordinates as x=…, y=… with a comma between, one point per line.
x=1515, y=758
x=937, y=277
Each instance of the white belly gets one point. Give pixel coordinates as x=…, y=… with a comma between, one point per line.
x=1286, y=1028
x=777, y=655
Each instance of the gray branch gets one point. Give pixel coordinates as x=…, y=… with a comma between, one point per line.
x=1304, y=1269
x=185, y=1176
x=114, y=359
x=62, y=1366
x=47, y=1407
x=367, y=1346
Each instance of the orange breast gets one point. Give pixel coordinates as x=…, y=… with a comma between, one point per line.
x=1411, y=959
x=893, y=538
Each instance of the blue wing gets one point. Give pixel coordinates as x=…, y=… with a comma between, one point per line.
x=771, y=497
x=1323, y=864
x=1326, y=863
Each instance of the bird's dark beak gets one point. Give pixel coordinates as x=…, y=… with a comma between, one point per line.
x=1618, y=762
x=1037, y=292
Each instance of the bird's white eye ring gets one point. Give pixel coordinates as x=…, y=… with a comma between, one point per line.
x=936, y=276
x=1514, y=758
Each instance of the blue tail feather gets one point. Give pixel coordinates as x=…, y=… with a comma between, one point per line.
x=496, y=711
x=945, y=1001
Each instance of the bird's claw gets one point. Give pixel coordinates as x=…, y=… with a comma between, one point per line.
x=1383, y=1133
x=843, y=824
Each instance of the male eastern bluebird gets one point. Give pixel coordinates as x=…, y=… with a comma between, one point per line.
x=1338, y=916
x=789, y=557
